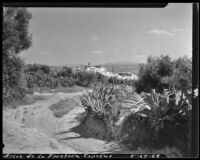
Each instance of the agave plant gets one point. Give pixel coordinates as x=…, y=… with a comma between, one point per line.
x=103, y=102
x=166, y=107
x=168, y=115
x=100, y=99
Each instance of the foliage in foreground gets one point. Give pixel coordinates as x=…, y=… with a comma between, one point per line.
x=103, y=103
x=166, y=123
x=157, y=120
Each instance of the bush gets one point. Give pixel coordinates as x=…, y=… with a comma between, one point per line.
x=42, y=76
x=117, y=81
x=65, y=72
x=136, y=132
x=14, y=85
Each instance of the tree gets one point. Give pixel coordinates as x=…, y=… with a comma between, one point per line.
x=165, y=66
x=16, y=38
x=182, y=74
x=65, y=71
x=150, y=74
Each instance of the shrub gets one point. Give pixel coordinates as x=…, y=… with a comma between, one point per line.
x=65, y=72
x=43, y=76
x=13, y=79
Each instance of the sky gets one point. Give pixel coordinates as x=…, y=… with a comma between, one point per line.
x=64, y=36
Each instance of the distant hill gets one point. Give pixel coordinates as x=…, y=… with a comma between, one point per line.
x=122, y=67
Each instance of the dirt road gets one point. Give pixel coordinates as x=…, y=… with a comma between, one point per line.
x=34, y=129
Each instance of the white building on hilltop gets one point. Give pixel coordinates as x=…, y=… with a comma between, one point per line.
x=95, y=69
x=127, y=76
x=99, y=69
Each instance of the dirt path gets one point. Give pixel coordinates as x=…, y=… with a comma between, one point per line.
x=34, y=129
x=65, y=135
x=29, y=128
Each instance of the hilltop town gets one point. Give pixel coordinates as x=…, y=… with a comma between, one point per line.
x=102, y=70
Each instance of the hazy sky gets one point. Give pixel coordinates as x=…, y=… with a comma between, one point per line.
x=98, y=35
